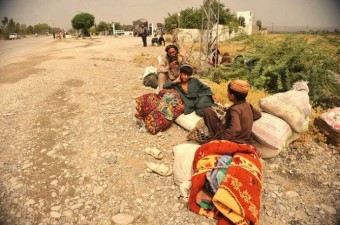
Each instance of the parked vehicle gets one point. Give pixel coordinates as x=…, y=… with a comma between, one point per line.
x=13, y=36
x=137, y=25
x=68, y=35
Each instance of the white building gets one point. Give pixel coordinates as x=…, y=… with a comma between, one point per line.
x=248, y=16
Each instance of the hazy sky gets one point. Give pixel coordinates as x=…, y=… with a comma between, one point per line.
x=58, y=13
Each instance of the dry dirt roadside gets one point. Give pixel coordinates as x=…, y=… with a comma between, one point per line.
x=71, y=152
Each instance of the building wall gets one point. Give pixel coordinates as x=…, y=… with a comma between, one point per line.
x=248, y=19
x=194, y=35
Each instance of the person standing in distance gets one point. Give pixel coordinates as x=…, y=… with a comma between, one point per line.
x=175, y=34
x=143, y=32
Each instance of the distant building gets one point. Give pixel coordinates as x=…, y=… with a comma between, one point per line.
x=155, y=28
x=137, y=24
x=248, y=16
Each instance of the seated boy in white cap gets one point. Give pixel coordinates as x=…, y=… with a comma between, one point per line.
x=239, y=117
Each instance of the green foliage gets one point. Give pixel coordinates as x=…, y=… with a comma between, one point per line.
x=191, y=18
x=276, y=64
x=127, y=27
x=83, y=21
x=41, y=28
x=259, y=24
x=242, y=21
x=102, y=26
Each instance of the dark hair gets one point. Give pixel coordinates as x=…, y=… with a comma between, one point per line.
x=186, y=69
x=238, y=95
x=167, y=48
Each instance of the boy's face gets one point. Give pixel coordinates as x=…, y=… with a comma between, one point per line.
x=230, y=97
x=185, y=77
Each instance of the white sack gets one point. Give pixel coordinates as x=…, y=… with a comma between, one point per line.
x=182, y=169
x=188, y=121
x=292, y=106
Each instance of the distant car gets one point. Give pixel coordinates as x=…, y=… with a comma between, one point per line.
x=68, y=35
x=13, y=36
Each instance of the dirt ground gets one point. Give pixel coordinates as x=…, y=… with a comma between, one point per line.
x=72, y=153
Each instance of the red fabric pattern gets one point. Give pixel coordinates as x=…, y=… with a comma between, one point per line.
x=154, y=119
x=242, y=182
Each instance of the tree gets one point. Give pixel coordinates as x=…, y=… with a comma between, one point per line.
x=191, y=18
x=4, y=26
x=242, y=21
x=10, y=26
x=4, y=23
x=127, y=27
x=102, y=26
x=83, y=21
x=41, y=28
x=259, y=24
x=30, y=29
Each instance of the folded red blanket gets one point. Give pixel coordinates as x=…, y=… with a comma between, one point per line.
x=237, y=201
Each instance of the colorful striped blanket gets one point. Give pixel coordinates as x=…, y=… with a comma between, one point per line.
x=237, y=200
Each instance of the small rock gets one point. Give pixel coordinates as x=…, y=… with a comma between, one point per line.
x=68, y=213
x=55, y=214
x=30, y=202
x=98, y=190
x=291, y=194
x=328, y=209
x=122, y=218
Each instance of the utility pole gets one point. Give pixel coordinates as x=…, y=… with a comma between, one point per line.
x=209, y=31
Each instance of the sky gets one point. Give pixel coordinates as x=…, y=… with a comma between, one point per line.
x=59, y=13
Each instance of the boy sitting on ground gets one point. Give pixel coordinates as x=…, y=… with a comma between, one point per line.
x=239, y=117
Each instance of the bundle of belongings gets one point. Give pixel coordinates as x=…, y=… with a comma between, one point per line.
x=182, y=167
x=226, y=184
x=158, y=111
x=284, y=117
x=329, y=124
x=150, y=77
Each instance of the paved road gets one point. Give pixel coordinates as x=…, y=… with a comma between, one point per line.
x=11, y=50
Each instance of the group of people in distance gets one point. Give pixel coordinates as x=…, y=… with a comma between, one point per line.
x=158, y=37
x=174, y=72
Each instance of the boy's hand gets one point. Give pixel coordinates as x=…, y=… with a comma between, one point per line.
x=177, y=80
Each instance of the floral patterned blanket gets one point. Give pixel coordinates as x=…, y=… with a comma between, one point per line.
x=237, y=200
x=158, y=111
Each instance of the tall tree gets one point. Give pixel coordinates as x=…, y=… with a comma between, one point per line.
x=83, y=21
x=242, y=21
x=4, y=21
x=191, y=18
x=103, y=26
x=10, y=26
x=30, y=29
x=259, y=24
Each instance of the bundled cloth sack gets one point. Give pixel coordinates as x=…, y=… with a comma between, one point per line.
x=227, y=183
x=292, y=106
x=150, y=77
x=329, y=124
x=158, y=111
x=188, y=121
x=272, y=135
x=182, y=169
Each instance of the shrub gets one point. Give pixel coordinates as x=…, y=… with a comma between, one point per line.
x=275, y=63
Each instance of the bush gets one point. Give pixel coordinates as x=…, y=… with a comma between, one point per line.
x=275, y=63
